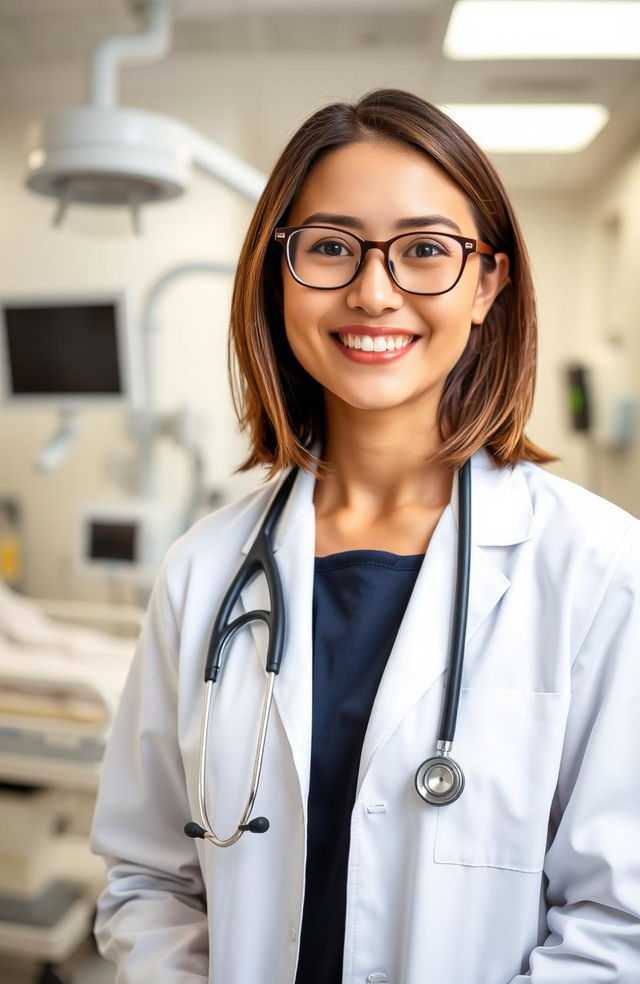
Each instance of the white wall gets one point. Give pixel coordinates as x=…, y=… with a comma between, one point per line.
x=561, y=229
x=552, y=223
x=608, y=301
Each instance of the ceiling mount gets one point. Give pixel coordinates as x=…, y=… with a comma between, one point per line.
x=102, y=154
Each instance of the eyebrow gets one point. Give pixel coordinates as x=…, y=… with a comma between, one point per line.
x=418, y=221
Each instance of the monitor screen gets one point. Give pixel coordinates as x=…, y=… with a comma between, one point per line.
x=113, y=541
x=63, y=350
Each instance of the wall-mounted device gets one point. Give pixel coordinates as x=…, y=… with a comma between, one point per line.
x=601, y=399
x=68, y=351
x=577, y=379
x=125, y=538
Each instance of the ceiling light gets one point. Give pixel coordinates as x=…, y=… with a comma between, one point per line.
x=517, y=128
x=543, y=29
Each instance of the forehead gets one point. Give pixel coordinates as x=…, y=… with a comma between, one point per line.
x=380, y=181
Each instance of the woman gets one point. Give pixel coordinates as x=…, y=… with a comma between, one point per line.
x=380, y=372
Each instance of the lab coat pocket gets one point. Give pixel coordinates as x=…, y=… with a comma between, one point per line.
x=508, y=744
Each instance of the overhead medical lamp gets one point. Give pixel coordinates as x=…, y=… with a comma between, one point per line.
x=103, y=154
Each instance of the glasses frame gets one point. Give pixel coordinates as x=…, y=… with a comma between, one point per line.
x=283, y=234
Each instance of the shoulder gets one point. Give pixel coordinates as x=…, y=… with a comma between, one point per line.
x=581, y=544
x=209, y=551
x=568, y=512
x=529, y=505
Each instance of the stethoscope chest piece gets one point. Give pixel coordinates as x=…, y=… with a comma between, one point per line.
x=439, y=780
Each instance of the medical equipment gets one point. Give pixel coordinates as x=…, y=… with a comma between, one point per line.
x=82, y=351
x=106, y=155
x=45, y=904
x=148, y=423
x=59, y=687
x=601, y=396
x=125, y=538
x=69, y=350
x=439, y=780
x=11, y=567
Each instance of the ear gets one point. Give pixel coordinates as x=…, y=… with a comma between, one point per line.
x=490, y=284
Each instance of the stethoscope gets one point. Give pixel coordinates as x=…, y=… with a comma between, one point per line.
x=439, y=780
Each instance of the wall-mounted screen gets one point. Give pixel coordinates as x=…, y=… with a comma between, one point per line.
x=66, y=350
x=113, y=541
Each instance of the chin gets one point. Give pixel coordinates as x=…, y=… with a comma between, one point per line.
x=372, y=402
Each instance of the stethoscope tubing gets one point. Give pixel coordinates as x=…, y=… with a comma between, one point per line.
x=461, y=608
x=261, y=824
x=439, y=780
x=260, y=558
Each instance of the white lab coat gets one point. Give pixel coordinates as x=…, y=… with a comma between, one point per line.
x=532, y=875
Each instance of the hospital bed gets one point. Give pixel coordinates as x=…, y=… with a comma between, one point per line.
x=60, y=682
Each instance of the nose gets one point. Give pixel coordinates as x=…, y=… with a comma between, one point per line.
x=374, y=288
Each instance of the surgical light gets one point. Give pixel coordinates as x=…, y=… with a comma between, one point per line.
x=103, y=154
x=532, y=128
x=543, y=29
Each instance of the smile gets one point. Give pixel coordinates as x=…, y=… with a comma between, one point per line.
x=369, y=349
x=379, y=343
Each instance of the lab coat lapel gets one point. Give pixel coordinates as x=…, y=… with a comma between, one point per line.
x=294, y=550
x=501, y=514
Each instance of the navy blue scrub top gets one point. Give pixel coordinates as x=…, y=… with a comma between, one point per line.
x=359, y=600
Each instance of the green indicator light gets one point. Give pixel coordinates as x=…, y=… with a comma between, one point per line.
x=576, y=399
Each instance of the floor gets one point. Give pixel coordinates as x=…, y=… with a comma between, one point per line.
x=85, y=967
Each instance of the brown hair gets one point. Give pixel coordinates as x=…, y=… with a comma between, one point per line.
x=487, y=396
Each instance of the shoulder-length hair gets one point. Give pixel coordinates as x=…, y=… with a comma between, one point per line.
x=487, y=396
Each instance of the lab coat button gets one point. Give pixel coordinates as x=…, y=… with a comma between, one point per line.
x=377, y=808
x=293, y=933
x=377, y=978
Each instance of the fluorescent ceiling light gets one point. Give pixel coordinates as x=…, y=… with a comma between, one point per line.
x=532, y=128
x=543, y=29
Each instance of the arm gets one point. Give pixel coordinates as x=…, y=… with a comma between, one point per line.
x=151, y=917
x=593, y=862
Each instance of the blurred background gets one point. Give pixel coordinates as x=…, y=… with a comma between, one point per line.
x=116, y=424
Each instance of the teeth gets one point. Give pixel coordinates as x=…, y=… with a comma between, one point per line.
x=381, y=343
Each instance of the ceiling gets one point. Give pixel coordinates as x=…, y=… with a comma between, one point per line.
x=273, y=63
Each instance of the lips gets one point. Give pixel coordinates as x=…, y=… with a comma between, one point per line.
x=371, y=330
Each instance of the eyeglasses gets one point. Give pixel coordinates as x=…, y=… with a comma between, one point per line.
x=419, y=262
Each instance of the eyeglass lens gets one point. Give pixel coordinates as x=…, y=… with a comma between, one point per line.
x=421, y=262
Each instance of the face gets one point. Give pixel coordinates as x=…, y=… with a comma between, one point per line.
x=379, y=183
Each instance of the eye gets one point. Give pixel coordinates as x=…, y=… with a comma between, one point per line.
x=333, y=247
x=428, y=248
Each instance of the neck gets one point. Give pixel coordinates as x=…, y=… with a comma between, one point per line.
x=376, y=460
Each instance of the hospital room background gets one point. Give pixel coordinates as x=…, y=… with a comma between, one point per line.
x=100, y=473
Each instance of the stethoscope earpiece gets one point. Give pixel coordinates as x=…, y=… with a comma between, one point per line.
x=259, y=825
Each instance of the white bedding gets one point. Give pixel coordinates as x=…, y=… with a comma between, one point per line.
x=57, y=671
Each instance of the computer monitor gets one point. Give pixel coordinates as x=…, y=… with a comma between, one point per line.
x=126, y=538
x=67, y=350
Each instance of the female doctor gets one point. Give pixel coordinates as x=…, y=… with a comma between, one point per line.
x=384, y=330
